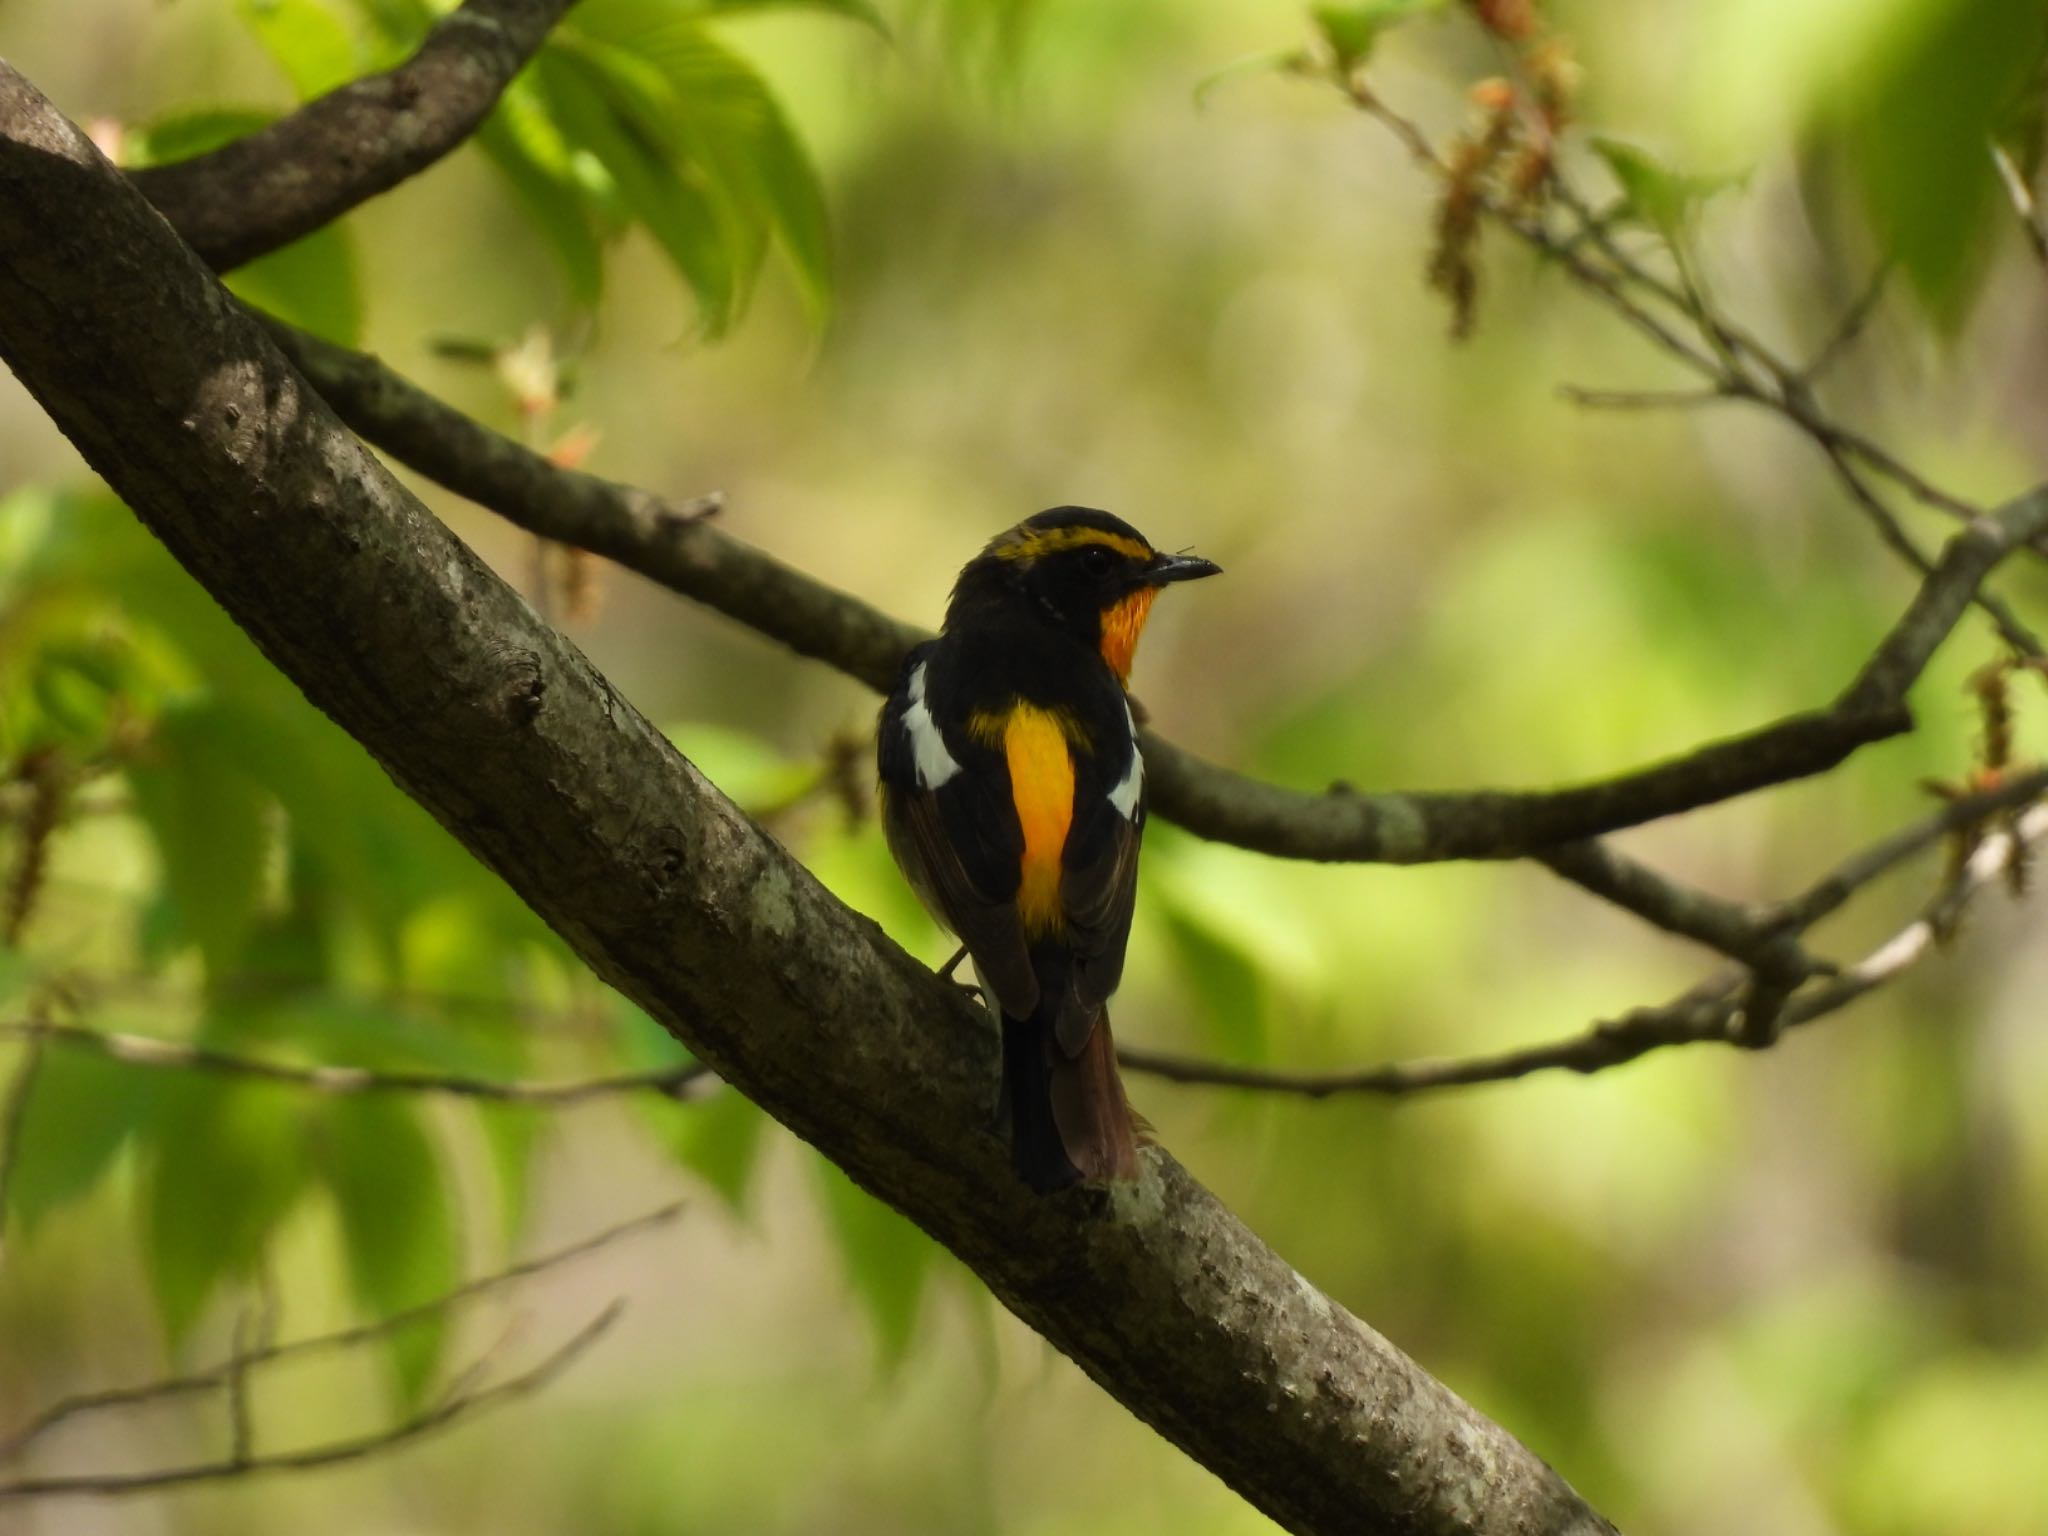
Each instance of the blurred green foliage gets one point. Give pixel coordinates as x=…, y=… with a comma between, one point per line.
x=1795, y=1292
x=1897, y=104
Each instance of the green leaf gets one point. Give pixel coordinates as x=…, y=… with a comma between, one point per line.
x=512, y=1135
x=29, y=516
x=764, y=158
x=747, y=770
x=75, y=685
x=1225, y=980
x=400, y=23
x=603, y=108
x=887, y=1258
x=182, y=135
x=530, y=153
x=227, y=1161
x=1215, y=955
x=312, y=283
x=98, y=657
x=730, y=123
x=990, y=36
x=81, y=1111
x=718, y=1138
x=397, y=1221
x=703, y=113
x=1917, y=129
x=210, y=822
x=308, y=41
x=853, y=10
x=1662, y=198
x=1352, y=31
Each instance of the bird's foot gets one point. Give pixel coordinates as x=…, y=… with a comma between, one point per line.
x=973, y=989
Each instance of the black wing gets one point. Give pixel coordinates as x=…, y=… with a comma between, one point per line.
x=1098, y=891
x=957, y=838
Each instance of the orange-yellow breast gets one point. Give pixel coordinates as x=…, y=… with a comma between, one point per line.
x=1035, y=745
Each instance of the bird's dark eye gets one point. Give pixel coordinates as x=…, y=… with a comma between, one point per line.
x=1097, y=561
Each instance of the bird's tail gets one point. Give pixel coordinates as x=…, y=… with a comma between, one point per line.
x=1068, y=1117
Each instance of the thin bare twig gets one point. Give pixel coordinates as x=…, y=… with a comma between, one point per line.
x=1588, y=251
x=1833, y=890
x=1912, y=943
x=1714, y=1010
x=2024, y=204
x=216, y=1377
x=241, y=1429
x=49, y=779
x=176, y=1055
x=1892, y=533
x=449, y=1410
x=1758, y=939
x=1646, y=399
x=1783, y=389
x=1855, y=319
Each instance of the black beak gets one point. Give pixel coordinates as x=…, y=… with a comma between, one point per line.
x=1165, y=568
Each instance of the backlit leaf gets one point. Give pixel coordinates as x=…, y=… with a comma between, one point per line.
x=209, y=820
x=226, y=1161
x=861, y=11
x=312, y=283
x=1664, y=199
x=308, y=41
x=181, y=135
x=887, y=1258
x=81, y=1111
x=1917, y=131
x=1352, y=31
x=397, y=1221
x=524, y=144
x=604, y=105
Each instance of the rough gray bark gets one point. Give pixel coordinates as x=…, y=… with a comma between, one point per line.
x=305, y=170
x=505, y=732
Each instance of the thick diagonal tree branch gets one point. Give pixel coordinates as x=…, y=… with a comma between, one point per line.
x=307, y=169
x=682, y=551
x=505, y=732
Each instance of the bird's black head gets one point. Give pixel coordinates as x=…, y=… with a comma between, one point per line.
x=1081, y=571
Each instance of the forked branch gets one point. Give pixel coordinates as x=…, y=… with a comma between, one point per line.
x=310, y=167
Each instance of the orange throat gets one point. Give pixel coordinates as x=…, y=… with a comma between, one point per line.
x=1122, y=622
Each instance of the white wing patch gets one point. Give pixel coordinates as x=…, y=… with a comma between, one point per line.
x=935, y=765
x=1125, y=796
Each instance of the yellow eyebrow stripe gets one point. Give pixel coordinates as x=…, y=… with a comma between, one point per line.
x=1050, y=541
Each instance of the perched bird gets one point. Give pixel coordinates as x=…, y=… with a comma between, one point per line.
x=1014, y=799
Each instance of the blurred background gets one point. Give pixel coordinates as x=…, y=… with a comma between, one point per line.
x=971, y=260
